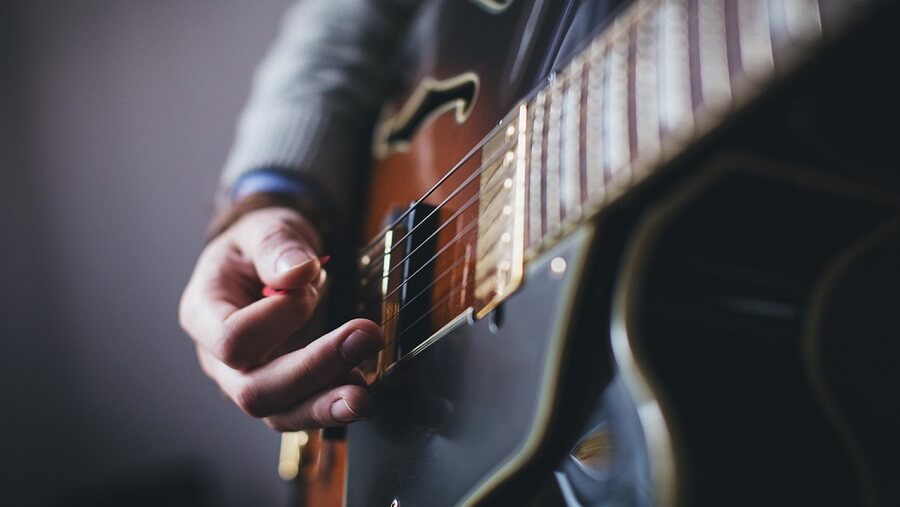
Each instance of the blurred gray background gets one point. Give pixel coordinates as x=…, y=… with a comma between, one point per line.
x=115, y=117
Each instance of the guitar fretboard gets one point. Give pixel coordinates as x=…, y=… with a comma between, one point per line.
x=663, y=74
x=660, y=76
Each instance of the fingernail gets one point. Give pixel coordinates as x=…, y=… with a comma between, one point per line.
x=292, y=259
x=341, y=412
x=359, y=346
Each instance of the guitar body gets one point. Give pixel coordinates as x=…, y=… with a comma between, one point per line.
x=486, y=395
x=719, y=331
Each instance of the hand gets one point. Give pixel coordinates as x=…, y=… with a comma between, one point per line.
x=249, y=346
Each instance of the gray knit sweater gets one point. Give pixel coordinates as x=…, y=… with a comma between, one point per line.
x=317, y=92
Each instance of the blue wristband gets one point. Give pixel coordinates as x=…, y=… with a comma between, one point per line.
x=274, y=181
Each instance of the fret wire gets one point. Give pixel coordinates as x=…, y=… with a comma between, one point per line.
x=676, y=110
x=645, y=76
x=583, y=139
x=596, y=182
x=803, y=18
x=536, y=169
x=618, y=144
x=437, y=208
x=571, y=167
x=777, y=28
x=715, y=81
x=551, y=174
x=526, y=159
x=755, y=39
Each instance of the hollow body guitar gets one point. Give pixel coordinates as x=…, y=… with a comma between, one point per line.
x=651, y=257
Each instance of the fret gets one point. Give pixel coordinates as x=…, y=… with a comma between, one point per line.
x=676, y=108
x=552, y=168
x=616, y=127
x=777, y=29
x=642, y=90
x=596, y=182
x=715, y=79
x=755, y=39
x=803, y=19
x=571, y=161
x=646, y=94
x=535, y=171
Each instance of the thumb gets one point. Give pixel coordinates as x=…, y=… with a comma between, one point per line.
x=280, y=244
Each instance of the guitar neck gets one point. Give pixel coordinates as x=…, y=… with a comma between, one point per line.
x=663, y=74
x=660, y=76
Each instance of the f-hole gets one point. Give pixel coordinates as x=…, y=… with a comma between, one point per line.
x=431, y=99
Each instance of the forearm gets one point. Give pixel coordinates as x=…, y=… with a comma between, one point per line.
x=316, y=95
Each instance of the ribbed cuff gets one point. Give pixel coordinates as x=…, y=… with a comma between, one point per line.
x=309, y=141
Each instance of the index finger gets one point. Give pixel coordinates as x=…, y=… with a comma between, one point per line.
x=220, y=311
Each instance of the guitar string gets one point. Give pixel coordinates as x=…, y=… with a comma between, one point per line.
x=378, y=237
x=431, y=309
x=424, y=290
x=374, y=263
x=427, y=263
x=437, y=303
x=471, y=202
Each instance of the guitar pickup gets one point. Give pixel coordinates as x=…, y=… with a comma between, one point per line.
x=407, y=283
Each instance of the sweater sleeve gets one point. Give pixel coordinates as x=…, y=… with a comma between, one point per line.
x=316, y=94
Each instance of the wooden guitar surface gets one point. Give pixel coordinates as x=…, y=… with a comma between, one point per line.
x=671, y=263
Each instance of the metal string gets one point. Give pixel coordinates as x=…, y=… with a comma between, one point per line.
x=424, y=290
x=434, y=257
x=447, y=222
x=373, y=245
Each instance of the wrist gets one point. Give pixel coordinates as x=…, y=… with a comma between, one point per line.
x=273, y=188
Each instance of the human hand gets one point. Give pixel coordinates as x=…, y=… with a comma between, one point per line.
x=251, y=347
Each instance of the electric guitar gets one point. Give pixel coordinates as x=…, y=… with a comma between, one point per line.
x=643, y=254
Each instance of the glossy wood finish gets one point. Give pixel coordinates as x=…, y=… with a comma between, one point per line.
x=403, y=177
x=438, y=50
x=490, y=44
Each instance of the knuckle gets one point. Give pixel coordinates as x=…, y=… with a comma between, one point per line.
x=277, y=236
x=229, y=348
x=249, y=399
x=320, y=417
x=315, y=370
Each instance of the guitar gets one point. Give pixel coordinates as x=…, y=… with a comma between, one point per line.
x=651, y=258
